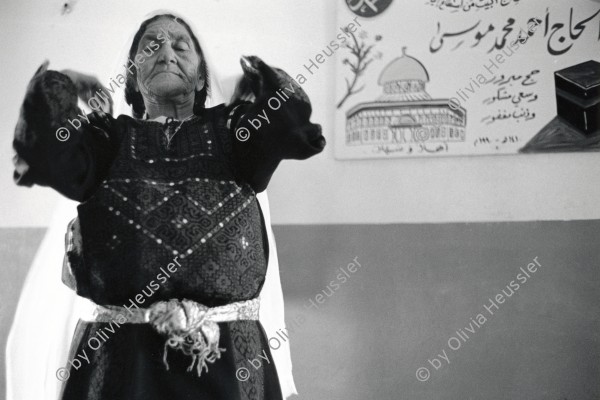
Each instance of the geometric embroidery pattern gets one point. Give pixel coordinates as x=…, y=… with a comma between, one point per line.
x=179, y=199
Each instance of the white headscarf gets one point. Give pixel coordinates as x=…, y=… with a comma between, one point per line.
x=48, y=311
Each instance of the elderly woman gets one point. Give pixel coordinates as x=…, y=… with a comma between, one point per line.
x=170, y=241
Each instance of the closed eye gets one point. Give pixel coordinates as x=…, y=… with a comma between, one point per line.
x=181, y=46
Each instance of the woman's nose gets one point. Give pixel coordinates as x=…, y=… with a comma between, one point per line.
x=166, y=54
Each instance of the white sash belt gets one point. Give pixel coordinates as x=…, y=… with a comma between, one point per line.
x=190, y=327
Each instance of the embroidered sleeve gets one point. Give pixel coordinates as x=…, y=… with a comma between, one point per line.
x=274, y=127
x=255, y=162
x=56, y=144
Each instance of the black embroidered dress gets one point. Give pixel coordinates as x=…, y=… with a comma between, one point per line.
x=149, y=200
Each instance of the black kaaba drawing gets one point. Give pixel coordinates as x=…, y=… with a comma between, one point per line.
x=577, y=125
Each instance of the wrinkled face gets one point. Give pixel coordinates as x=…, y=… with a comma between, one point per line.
x=174, y=68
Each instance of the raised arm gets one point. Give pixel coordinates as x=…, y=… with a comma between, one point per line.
x=56, y=144
x=274, y=127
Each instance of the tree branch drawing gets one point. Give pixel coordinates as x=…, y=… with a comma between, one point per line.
x=362, y=52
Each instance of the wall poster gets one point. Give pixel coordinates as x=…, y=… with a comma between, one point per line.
x=466, y=77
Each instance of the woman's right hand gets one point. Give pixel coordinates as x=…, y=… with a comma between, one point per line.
x=87, y=86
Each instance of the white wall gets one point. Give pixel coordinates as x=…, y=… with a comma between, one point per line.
x=318, y=191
